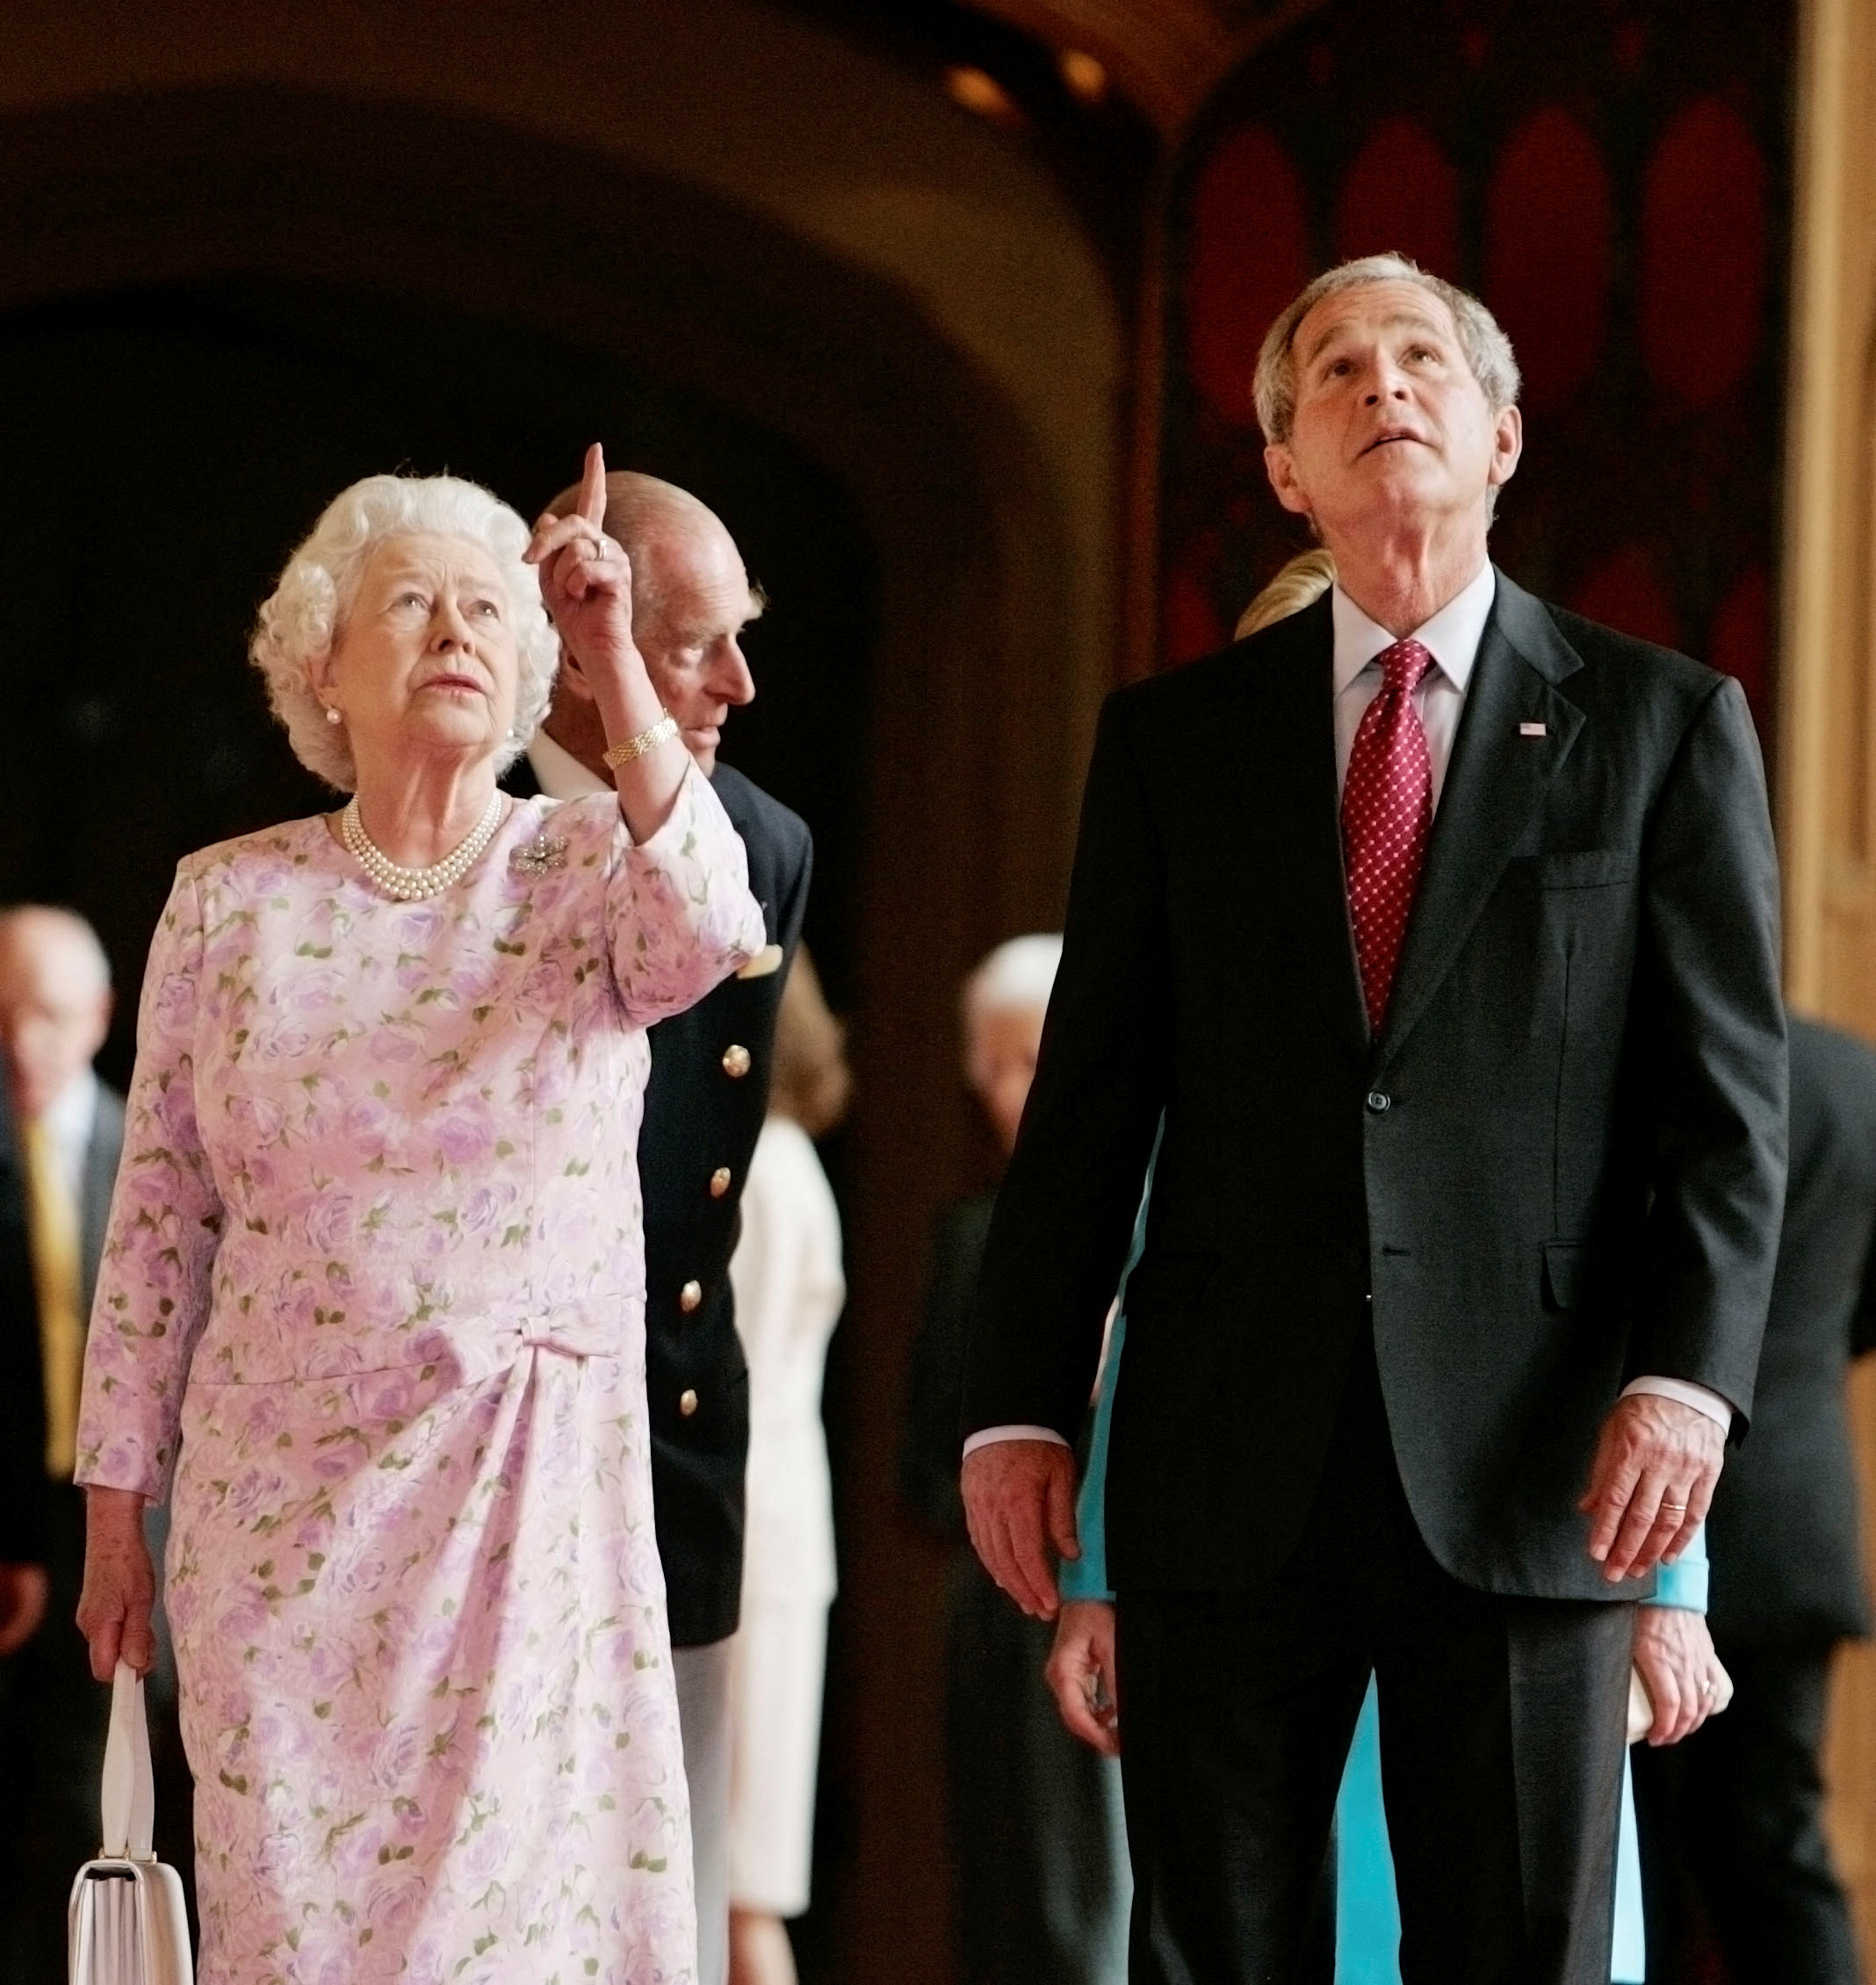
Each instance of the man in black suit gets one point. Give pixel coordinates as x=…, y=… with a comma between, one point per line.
x=1739, y=1807
x=1473, y=1078
x=61, y=1131
x=704, y=1107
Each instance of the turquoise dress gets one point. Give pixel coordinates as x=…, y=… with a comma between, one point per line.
x=1367, y=1916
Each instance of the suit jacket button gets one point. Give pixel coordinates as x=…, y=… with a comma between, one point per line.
x=720, y=1181
x=689, y=1296
x=686, y=1402
x=1378, y=1100
x=735, y=1062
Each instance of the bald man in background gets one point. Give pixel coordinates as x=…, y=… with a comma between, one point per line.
x=704, y=1108
x=59, y=1139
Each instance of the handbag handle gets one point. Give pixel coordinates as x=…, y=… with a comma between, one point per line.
x=129, y=1793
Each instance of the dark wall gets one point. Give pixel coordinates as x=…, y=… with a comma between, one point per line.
x=1614, y=180
x=161, y=451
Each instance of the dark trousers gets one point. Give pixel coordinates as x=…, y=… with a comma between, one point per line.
x=53, y=1718
x=1502, y=1728
x=1038, y=1855
x=1731, y=1824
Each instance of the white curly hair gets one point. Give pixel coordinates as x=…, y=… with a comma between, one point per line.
x=305, y=612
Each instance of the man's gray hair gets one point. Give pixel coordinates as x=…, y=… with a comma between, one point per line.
x=1487, y=348
x=1017, y=976
x=306, y=613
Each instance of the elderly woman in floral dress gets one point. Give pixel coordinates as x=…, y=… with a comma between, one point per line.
x=371, y=1310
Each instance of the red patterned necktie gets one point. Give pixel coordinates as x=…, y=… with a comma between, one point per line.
x=1386, y=811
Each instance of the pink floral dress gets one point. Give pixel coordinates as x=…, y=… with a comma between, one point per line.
x=373, y=1296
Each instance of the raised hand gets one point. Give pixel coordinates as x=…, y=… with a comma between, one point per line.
x=585, y=586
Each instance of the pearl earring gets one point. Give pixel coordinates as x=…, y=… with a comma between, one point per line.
x=332, y=715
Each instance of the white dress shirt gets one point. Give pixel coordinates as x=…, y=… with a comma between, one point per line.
x=1452, y=636
x=560, y=775
x=70, y=1121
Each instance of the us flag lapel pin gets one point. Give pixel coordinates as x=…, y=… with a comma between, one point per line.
x=1531, y=730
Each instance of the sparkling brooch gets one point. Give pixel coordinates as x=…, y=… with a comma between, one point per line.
x=538, y=856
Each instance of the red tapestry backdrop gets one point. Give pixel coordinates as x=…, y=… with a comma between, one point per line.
x=1613, y=179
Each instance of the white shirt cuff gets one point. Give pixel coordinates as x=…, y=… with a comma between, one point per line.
x=988, y=1437
x=1702, y=1399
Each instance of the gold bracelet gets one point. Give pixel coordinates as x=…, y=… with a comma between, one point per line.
x=660, y=732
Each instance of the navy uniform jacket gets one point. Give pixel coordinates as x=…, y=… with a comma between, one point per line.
x=704, y=1108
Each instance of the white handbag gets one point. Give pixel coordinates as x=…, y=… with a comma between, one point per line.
x=127, y=1922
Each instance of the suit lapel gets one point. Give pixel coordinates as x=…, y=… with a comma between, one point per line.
x=1284, y=744
x=1495, y=782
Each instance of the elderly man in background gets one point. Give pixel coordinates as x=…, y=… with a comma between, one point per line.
x=1466, y=1207
x=705, y=1107
x=1039, y=1888
x=58, y=1162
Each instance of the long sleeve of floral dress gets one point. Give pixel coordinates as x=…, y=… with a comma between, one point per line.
x=153, y=1295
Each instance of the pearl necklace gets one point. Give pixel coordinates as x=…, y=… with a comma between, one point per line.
x=412, y=885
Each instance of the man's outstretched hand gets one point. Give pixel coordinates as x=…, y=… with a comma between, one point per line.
x=1651, y=1483
x=1019, y=1500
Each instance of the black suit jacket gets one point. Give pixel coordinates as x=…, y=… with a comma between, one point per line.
x=23, y=1533
x=1784, y=1536
x=699, y=1119
x=929, y=1451
x=1560, y=1165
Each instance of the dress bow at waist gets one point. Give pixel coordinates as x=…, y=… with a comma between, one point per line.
x=581, y=1329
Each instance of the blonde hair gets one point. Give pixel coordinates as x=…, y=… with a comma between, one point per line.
x=305, y=614
x=1487, y=348
x=1300, y=584
x=810, y=1081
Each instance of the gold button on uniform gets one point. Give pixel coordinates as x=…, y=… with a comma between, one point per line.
x=720, y=1181
x=686, y=1402
x=689, y=1296
x=735, y=1062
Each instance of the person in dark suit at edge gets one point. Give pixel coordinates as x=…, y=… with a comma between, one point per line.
x=64, y=1132
x=1738, y=1809
x=1441, y=925
x=704, y=1108
x=1039, y=1879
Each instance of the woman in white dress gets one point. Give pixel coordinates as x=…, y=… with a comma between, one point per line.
x=790, y=1291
